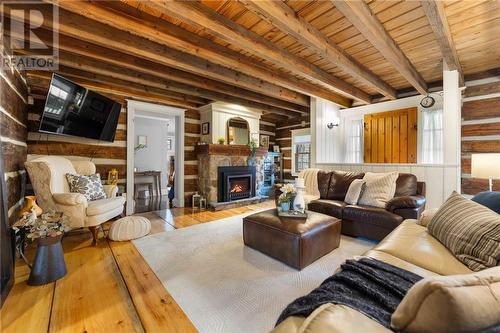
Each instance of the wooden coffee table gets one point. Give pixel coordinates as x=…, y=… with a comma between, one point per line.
x=297, y=243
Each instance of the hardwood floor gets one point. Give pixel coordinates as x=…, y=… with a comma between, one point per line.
x=109, y=288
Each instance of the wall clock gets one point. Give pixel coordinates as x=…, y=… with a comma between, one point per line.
x=427, y=101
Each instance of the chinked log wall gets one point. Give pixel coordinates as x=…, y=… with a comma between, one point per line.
x=284, y=140
x=109, y=155
x=13, y=134
x=105, y=155
x=480, y=129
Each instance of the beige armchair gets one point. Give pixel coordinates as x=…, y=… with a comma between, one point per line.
x=48, y=177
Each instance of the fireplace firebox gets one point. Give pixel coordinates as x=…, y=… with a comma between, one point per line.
x=235, y=183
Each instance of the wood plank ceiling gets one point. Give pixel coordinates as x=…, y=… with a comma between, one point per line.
x=269, y=55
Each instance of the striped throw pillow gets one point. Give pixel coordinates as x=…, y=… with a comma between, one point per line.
x=469, y=230
x=379, y=188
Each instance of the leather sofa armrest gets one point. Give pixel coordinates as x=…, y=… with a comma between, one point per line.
x=410, y=201
x=110, y=190
x=70, y=199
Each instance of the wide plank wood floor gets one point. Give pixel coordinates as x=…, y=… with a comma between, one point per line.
x=109, y=288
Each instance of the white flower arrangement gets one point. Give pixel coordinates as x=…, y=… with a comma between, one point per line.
x=287, y=191
x=50, y=224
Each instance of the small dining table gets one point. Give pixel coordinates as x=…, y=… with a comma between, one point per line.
x=152, y=173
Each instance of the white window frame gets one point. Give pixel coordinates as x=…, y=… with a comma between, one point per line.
x=295, y=133
x=420, y=136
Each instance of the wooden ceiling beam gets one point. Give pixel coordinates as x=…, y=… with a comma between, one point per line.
x=142, y=24
x=94, y=32
x=361, y=17
x=78, y=54
x=434, y=10
x=111, y=73
x=284, y=18
x=99, y=83
x=199, y=15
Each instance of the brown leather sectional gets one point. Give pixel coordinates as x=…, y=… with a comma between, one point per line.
x=365, y=221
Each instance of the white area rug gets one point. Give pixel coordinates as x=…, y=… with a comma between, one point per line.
x=224, y=286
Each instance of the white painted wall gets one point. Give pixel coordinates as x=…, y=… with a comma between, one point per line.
x=218, y=113
x=156, y=155
x=327, y=145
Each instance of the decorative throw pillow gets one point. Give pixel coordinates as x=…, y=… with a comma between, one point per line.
x=489, y=199
x=469, y=230
x=354, y=192
x=426, y=216
x=454, y=303
x=89, y=186
x=380, y=188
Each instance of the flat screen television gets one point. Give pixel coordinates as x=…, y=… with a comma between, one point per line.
x=71, y=109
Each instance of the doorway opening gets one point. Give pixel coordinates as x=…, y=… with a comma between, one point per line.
x=155, y=157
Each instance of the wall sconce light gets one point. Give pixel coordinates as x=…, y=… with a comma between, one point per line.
x=334, y=123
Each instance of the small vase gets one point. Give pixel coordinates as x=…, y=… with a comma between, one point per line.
x=285, y=206
x=299, y=202
x=29, y=203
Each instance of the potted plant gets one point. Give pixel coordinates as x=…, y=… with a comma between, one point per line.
x=253, y=149
x=285, y=198
x=47, y=230
x=221, y=140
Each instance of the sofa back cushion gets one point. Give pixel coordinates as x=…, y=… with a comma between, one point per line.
x=469, y=230
x=340, y=182
x=406, y=184
x=380, y=188
x=455, y=303
x=323, y=183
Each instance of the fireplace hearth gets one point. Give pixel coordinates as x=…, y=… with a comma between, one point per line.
x=235, y=183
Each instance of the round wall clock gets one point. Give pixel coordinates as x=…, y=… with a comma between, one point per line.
x=427, y=101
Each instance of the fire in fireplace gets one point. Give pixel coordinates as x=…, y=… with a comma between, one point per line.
x=235, y=183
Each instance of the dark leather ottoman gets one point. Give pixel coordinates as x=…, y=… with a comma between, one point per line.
x=297, y=243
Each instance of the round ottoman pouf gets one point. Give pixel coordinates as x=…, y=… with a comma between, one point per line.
x=129, y=227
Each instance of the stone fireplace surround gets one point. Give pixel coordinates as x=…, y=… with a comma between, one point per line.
x=211, y=156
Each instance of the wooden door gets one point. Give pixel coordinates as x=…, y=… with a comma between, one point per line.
x=391, y=137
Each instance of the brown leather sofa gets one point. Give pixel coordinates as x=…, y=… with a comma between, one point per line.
x=365, y=221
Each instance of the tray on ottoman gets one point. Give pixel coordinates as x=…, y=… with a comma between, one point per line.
x=297, y=243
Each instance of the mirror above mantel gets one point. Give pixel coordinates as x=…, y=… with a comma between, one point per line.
x=238, y=131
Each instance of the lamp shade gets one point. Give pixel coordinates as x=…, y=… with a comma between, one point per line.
x=485, y=166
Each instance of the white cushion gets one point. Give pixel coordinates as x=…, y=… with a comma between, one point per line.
x=354, y=192
x=379, y=188
x=129, y=227
x=102, y=206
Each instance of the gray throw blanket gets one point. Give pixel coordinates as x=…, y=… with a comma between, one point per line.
x=369, y=286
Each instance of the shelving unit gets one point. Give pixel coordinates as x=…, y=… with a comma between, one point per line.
x=273, y=173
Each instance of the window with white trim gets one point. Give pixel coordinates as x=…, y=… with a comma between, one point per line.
x=354, y=141
x=431, y=134
x=301, y=150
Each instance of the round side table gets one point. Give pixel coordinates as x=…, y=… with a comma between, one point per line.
x=49, y=264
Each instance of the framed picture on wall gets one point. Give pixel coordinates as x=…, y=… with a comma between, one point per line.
x=264, y=141
x=205, y=128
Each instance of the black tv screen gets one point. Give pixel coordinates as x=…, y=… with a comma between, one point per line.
x=71, y=109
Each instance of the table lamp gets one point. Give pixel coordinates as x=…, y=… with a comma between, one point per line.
x=486, y=166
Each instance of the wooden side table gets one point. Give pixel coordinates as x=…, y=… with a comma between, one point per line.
x=49, y=264
x=157, y=178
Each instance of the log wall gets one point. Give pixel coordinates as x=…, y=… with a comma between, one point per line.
x=284, y=140
x=480, y=129
x=13, y=135
x=105, y=155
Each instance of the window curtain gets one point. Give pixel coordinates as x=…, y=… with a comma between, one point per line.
x=431, y=147
x=354, y=141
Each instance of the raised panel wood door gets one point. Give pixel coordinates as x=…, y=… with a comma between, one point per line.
x=391, y=137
